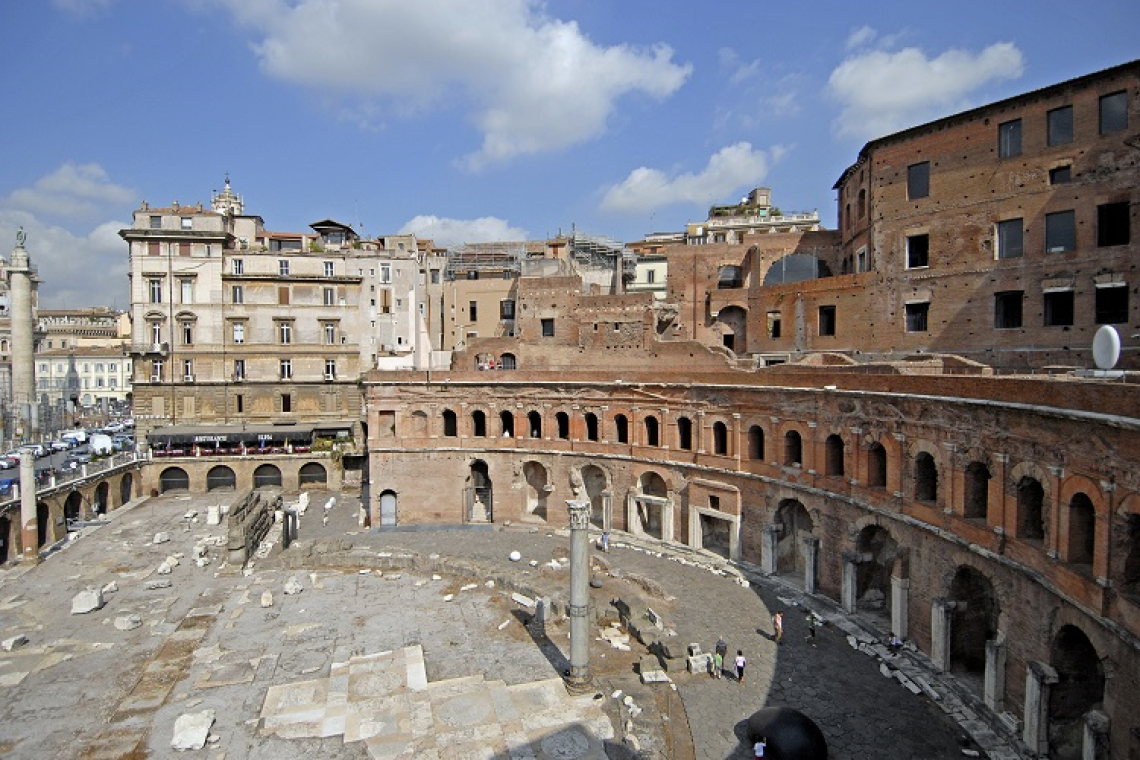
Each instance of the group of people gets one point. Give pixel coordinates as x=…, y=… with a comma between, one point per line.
x=720, y=655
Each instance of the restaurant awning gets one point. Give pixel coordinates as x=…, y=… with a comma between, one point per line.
x=255, y=435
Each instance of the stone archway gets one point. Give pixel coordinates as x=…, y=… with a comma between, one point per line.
x=173, y=479
x=734, y=331
x=101, y=502
x=267, y=476
x=652, y=504
x=1079, y=688
x=221, y=477
x=479, y=494
x=537, y=489
x=794, y=523
x=5, y=538
x=312, y=474
x=973, y=622
x=597, y=485
x=388, y=503
x=878, y=550
x=126, y=488
x=73, y=507
x=45, y=531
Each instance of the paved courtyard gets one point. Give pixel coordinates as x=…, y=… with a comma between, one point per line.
x=423, y=644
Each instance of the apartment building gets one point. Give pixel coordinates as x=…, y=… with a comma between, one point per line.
x=236, y=327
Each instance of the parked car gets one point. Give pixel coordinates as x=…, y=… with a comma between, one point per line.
x=76, y=458
x=8, y=462
x=60, y=445
x=38, y=449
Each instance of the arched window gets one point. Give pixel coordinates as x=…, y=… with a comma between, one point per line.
x=1082, y=530
x=534, y=423
x=651, y=431
x=479, y=423
x=877, y=466
x=174, y=479
x=220, y=477
x=507, y=424
x=833, y=455
x=507, y=361
x=450, y=424
x=621, y=428
x=756, y=442
x=977, y=502
x=591, y=426
x=793, y=449
x=563, y=421
x=684, y=433
x=720, y=438
x=925, y=478
x=1030, y=509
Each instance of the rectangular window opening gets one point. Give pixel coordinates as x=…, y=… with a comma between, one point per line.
x=827, y=320
x=1059, y=126
x=1009, y=139
x=916, y=317
x=1112, y=305
x=1112, y=224
x=1010, y=239
x=1060, y=232
x=918, y=180
x=1007, y=309
x=917, y=251
x=1058, y=308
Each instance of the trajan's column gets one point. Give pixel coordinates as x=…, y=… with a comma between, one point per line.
x=21, y=281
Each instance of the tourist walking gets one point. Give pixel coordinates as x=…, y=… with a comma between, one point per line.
x=740, y=663
x=717, y=664
x=778, y=627
x=812, y=621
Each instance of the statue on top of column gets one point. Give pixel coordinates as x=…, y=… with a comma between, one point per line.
x=21, y=237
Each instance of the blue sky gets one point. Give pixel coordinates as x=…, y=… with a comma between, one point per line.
x=471, y=120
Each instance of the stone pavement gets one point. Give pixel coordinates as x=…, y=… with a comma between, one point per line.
x=96, y=686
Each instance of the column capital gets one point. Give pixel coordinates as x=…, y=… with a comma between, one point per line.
x=579, y=514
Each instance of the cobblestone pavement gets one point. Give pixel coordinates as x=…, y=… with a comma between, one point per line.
x=82, y=687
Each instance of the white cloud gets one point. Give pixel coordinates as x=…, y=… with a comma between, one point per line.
x=529, y=83
x=883, y=92
x=75, y=270
x=739, y=71
x=71, y=192
x=80, y=257
x=728, y=170
x=860, y=37
x=450, y=232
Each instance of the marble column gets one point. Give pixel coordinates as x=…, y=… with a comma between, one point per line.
x=940, y=630
x=29, y=523
x=995, y=674
x=900, y=606
x=811, y=564
x=579, y=679
x=850, y=588
x=1039, y=677
x=1094, y=744
x=769, y=547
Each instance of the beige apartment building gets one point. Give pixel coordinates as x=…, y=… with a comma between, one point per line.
x=249, y=338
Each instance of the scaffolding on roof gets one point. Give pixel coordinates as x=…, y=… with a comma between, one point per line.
x=602, y=252
x=484, y=258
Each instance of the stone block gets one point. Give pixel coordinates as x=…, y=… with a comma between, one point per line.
x=699, y=663
x=157, y=584
x=267, y=598
x=214, y=515
x=86, y=601
x=192, y=729
x=14, y=643
x=293, y=586
x=525, y=601
x=128, y=622
x=161, y=537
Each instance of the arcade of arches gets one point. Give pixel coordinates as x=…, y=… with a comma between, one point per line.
x=898, y=522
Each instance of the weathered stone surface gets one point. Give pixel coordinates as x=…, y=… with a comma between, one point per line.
x=161, y=537
x=192, y=729
x=293, y=586
x=525, y=601
x=267, y=598
x=111, y=587
x=157, y=584
x=213, y=515
x=163, y=568
x=14, y=642
x=172, y=561
x=86, y=601
x=128, y=622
